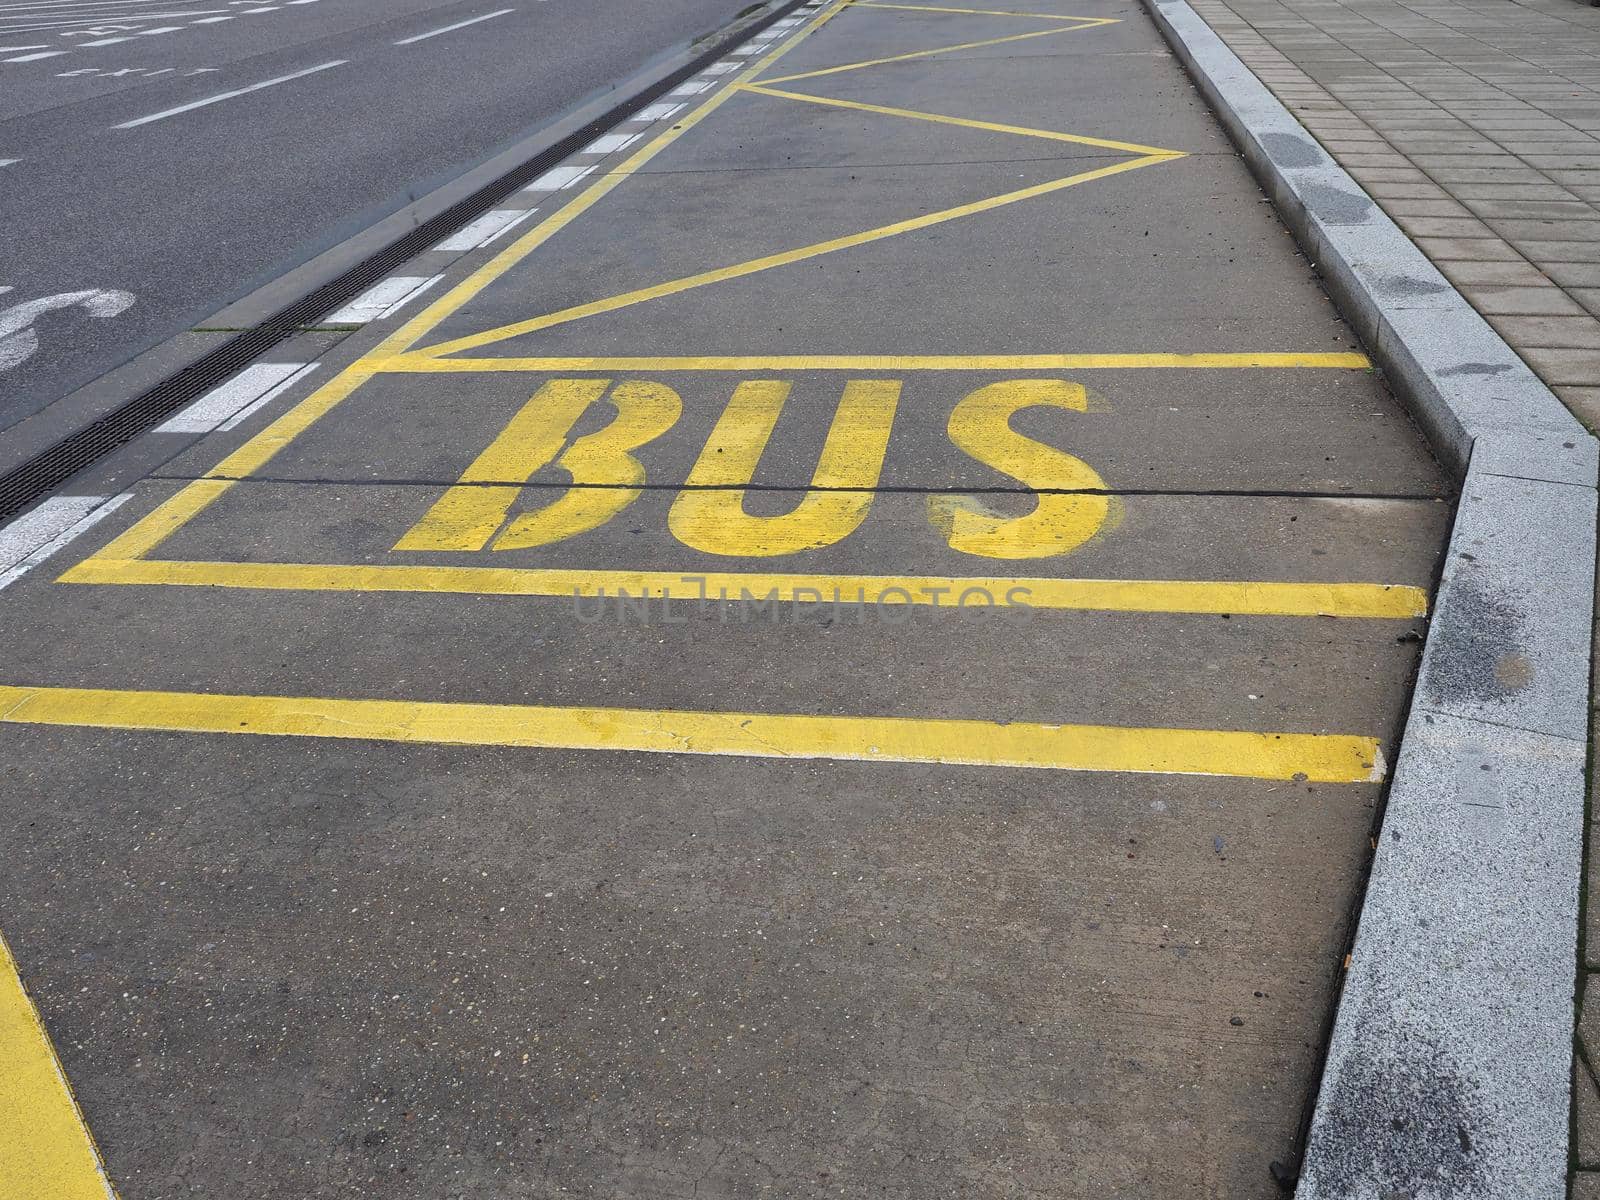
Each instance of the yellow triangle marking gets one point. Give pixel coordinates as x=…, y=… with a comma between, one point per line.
x=1148, y=155
x=785, y=258
x=878, y=62
x=963, y=122
x=986, y=12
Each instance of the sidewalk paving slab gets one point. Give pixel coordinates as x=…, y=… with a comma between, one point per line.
x=1509, y=1108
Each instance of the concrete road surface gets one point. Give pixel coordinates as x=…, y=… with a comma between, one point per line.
x=855, y=654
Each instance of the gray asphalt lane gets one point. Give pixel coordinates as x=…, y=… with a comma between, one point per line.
x=190, y=212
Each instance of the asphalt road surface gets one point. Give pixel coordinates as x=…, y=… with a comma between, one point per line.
x=134, y=207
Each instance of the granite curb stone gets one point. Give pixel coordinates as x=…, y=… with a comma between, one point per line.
x=1449, y=1071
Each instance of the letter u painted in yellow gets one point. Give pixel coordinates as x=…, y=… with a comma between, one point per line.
x=605, y=475
x=981, y=426
x=709, y=513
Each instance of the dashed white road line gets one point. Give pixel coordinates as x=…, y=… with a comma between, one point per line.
x=657, y=112
x=224, y=407
x=36, y=57
x=557, y=178
x=422, y=37
x=383, y=299
x=493, y=224
x=610, y=143
x=35, y=536
x=6, y=162
x=220, y=96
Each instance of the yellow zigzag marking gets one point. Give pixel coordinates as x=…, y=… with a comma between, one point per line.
x=1148, y=155
x=1081, y=23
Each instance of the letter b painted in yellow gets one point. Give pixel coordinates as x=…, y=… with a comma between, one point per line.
x=471, y=513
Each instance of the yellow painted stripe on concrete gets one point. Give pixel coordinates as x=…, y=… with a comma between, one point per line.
x=1241, y=598
x=916, y=54
x=421, y=362
x=983, y=12
x=912, y=114
x=46, y=1152
x=768, y=262
x=1321, y=758
x=164, y=520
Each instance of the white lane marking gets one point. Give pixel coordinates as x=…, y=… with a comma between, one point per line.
x=6, y=162
x=693, y=88
x=35, y=57
x=106, y=41
x=13, y=49
x=657, y=112
x=210, y=20
x=557, y=178
x=383, y=299
x=422, y=37
x=245, y=413
x=160, y=29
x=485, y=229
x=35, y=536
x=220, y=96
x=250, y=387
x=721, y=68
x=610, y=143
x=19, y=341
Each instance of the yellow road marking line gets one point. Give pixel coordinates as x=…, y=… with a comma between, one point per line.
x=46, y=1152
x=1318, y=758
x=1241, y=597
x=171, y=515
x=896, y=58
x=883, y=362
x=981, y=12
x=963, y=122
x=785, y=258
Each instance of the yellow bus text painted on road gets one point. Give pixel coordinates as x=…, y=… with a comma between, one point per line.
x=709, y=513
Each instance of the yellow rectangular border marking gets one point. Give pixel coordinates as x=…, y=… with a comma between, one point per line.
x=1319, y=758
x=391, y=354
x=46, y=1152
x=911, y=114
x=1349, y=361
x=1242, y=598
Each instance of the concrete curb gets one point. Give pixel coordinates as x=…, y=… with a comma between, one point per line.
x=1448, y=1074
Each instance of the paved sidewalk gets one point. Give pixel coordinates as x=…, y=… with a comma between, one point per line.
x=1476, y=126
x=973, y=795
